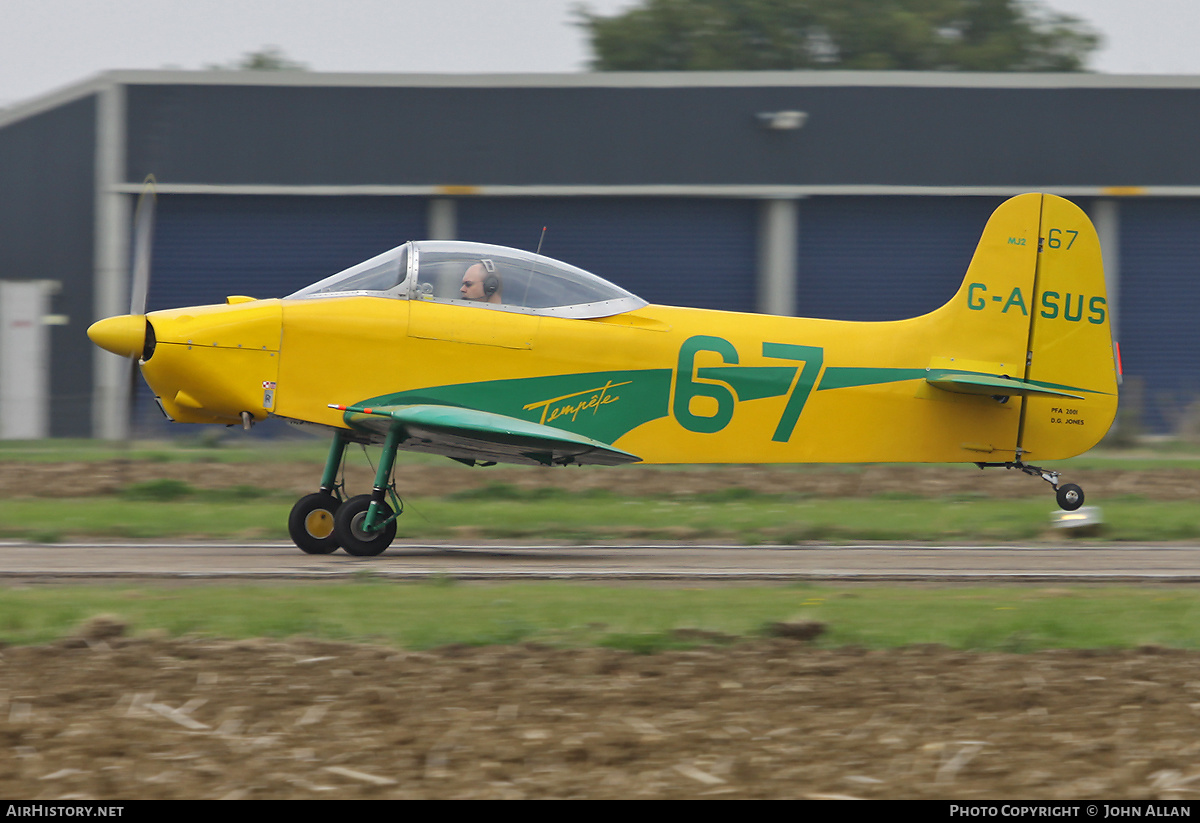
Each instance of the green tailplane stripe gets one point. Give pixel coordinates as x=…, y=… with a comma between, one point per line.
x=983, y=378
x=848, y=377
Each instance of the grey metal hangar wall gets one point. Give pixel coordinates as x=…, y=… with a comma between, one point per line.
x=47, y=231
x=846, y=195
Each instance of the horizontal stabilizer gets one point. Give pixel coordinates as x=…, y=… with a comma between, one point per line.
x=469, y=434
x=994, y=385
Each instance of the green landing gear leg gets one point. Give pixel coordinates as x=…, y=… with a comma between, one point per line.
x=366, y=525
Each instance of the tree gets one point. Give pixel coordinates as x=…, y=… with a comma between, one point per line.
x=910, y=35
x=268, y=58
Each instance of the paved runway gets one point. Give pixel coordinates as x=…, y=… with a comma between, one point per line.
x=1079, y=562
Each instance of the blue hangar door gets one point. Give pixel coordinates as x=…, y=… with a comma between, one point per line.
x=207, y=247
x=677, y=251
x=884, y=258
x=1156, y=312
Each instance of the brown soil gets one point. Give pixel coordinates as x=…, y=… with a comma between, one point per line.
x=102, y=716
x=84, y=479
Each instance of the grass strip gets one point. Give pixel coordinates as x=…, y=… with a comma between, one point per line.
x=220, y=445
x=177, y=511
x=639, y=618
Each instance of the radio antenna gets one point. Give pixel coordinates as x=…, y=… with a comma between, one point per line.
x=540, y=239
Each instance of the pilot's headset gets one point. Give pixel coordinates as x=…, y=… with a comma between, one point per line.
x=491, y=280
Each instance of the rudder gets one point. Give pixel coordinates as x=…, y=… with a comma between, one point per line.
x=1070, y=339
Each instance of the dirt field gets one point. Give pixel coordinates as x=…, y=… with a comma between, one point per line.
x=109, y=717
x=84, y=479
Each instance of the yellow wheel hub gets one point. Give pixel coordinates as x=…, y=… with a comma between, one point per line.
x=319, y=524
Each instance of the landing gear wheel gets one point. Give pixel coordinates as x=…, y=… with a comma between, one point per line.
x=347, y=527
x=311, y=523
x=1070, y=497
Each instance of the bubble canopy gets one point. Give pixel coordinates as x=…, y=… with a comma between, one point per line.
x=478, y=275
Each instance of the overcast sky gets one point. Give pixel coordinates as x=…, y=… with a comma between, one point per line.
x=48, y=44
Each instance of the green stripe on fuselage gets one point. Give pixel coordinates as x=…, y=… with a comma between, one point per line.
x=601, y=405
x=848, y=377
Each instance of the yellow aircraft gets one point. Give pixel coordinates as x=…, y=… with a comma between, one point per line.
x=489, y=354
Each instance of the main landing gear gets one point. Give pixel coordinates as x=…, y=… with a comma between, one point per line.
x=322, y=522
x=1069, y=496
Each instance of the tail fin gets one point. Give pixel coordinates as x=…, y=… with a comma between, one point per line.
x=1031, y=321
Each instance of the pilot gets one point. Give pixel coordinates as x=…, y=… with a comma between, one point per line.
x=481, y=283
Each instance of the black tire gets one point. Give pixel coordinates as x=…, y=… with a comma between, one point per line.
x=311, y=523
x=347, y=527
x=1070, y=497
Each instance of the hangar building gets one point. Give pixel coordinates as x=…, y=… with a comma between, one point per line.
x=850, y=195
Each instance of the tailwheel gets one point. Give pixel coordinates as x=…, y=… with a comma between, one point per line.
x=311, y=523
x=1070, y=497
x=349, y=527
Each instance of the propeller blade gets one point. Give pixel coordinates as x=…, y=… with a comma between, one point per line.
x=131, y=399
x=139, y=289
x=143, y=235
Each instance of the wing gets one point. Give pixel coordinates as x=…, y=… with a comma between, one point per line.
x=468, y=434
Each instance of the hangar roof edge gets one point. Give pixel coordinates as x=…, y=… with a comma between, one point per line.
x=666, y=79
x=691, y=79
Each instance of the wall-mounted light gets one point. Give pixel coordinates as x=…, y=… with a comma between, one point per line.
x=782, y=120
